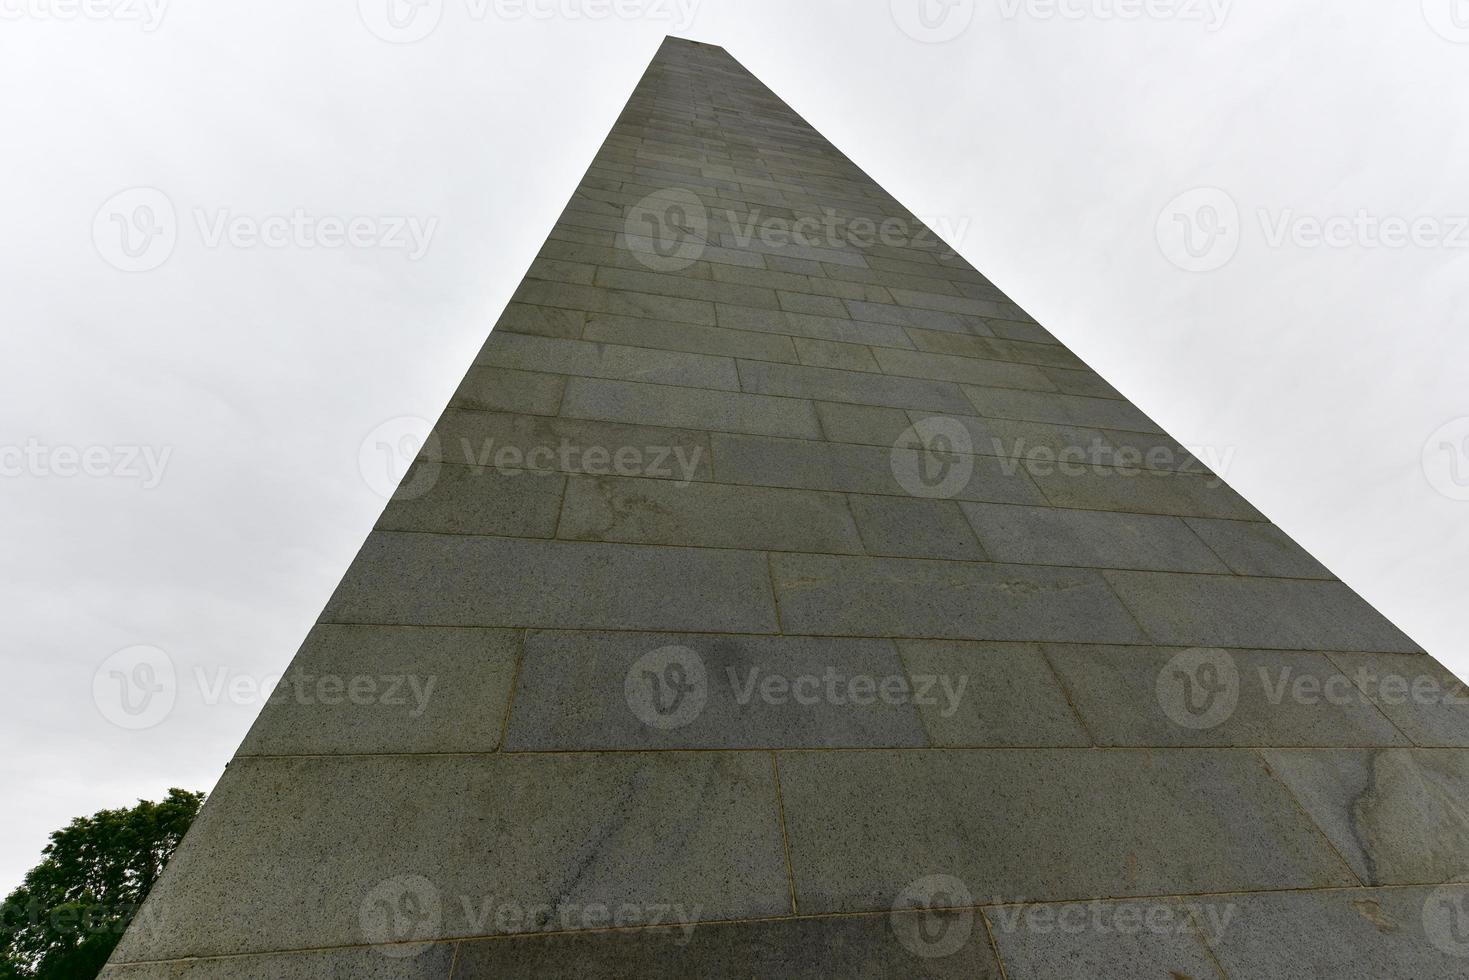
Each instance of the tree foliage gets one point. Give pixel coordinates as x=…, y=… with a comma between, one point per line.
x=72, y=908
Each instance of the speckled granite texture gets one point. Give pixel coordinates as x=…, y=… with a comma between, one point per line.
x=779, y=599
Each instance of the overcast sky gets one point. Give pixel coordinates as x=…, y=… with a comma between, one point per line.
x=1249, y=217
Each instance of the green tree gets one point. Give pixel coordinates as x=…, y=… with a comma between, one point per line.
x=72, y=908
